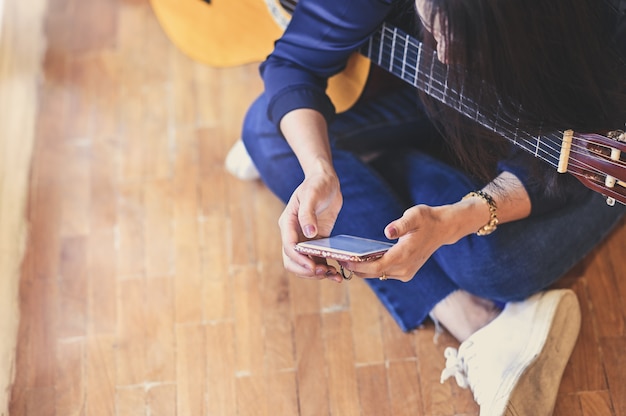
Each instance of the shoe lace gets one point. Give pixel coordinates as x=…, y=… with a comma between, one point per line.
x=455, y=366
x=459, y=365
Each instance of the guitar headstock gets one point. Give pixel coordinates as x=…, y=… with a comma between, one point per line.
x=599, y=162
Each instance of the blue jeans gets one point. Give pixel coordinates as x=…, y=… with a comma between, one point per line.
x=516, y=261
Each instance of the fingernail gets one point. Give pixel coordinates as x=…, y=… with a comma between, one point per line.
x=330, y=272
x=392, y=232
x=320, y=271
x=309, y=231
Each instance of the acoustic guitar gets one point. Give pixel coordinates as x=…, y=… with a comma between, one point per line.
x=595, y=160
x=208, y=32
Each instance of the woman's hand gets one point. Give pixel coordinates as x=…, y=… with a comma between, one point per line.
x=420, y=231
x=313, y=207
x=423, y=229
x=311, y=212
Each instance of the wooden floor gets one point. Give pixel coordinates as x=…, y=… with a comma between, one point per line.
x=153, y=282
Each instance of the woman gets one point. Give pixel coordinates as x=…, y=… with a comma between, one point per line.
x=481, y=232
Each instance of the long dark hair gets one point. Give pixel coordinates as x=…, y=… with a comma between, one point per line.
x=552, y=63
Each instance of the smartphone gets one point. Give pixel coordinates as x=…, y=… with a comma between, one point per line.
x=344, y=247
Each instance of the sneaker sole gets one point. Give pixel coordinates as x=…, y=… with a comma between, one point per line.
x=535, y=387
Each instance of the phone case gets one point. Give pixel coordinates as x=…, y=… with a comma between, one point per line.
x=337, y=256
x=348, y=248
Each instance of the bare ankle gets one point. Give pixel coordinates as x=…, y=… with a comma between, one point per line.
x=462, y=313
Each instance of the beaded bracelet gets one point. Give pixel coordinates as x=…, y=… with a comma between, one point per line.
x=493, y=218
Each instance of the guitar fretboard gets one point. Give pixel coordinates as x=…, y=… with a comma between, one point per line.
x=409, y=59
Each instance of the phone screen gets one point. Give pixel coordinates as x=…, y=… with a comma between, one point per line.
x=346, y=245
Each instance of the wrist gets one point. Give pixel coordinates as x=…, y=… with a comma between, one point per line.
x=492, y=224
x=463, y=218
x=320, y=165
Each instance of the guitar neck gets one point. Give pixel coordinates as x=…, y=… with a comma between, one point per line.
x=409, y=59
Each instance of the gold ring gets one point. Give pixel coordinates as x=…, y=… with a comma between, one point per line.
x=383, y=277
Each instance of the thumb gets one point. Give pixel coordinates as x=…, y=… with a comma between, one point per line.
x=399, y=227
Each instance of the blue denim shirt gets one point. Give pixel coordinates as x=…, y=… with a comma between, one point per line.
x=317, y=44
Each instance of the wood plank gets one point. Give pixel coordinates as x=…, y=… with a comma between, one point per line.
x=277, y=321
x=130, y=234
x=131, y=401
x=373, y=390
x=252, y=391
x=366, y=325
x=311, y=366
x=584, y=372
x=105, y=165
x=191, y=370
x=283, y=399
x=568, y=405
x=249, y=339
x=339, y=353
x=69, y=378
x=131, y=365
x=161, y=400
x=158, y=229
x=186, y=234
x=41, y=402
x=100, y=375
x=222, y=369
x=405, y=396
x=72, y=288
x=103, y=283
x=158, y=330
x=614, y=365
x=397, y=344
x=596, y=403
x=438, y=398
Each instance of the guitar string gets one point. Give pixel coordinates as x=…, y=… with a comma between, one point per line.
x=554, y=144
x=573, y=163
x=430, y=85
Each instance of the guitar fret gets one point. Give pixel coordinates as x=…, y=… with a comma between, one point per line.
x=536, y=152
x=393, y=51
x=419, y=82
x=430, y=75
x=380, y=51
x=406, y=41
x=445, y=88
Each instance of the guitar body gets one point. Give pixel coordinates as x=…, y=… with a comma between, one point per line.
x=219, y=33
x=225, y=33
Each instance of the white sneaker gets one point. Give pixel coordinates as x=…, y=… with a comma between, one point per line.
x=514, y=364
x=239, y=163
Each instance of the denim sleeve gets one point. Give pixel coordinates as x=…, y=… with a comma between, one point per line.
x=548, y=190
x=317, y=43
